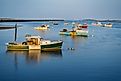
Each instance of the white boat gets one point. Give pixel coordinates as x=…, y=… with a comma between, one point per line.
x=97, y=24
x=35, y=43
x=108, y=25
x=73, y=23
x=102, y=25
x=43, y=27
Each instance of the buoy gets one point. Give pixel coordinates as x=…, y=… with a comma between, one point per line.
x=92, y=35
x=72, y=49
x=68, y=48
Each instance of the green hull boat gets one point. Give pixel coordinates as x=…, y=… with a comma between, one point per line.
x=75, y=33
x=36, y=43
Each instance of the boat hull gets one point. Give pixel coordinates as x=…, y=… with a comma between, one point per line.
x=73, y=33
x=17, y=47
x=41, y=28
x=106, y=25
x=46, y=47
x=52, y=47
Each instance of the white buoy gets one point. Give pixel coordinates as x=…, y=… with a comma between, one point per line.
x=92, y=35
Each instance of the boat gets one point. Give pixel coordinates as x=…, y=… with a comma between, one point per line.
x=66, y=23
x=34, y=42
x=82, y=26
x=76, y=31
x=108, y=25
x=102, y=24
x=55, y=23
x=97, y=24
x=43, y=27
x=73, y=23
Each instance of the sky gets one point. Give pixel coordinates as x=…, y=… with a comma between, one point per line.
x=65, y=9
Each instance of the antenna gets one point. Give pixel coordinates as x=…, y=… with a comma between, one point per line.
x=15, y=32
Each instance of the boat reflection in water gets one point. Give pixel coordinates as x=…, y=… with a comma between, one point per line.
x=76, y=41
x=33, y=56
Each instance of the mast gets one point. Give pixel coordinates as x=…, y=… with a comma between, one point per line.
x=15, y=32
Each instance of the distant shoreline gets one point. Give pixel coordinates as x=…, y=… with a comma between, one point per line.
x=27, y=20
x=54, y=20
x=103, y=20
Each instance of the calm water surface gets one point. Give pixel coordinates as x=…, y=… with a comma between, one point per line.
x=95, y=58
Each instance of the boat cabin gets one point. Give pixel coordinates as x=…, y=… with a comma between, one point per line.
x=33, y=40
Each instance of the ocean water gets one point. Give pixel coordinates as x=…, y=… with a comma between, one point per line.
x=94, y=58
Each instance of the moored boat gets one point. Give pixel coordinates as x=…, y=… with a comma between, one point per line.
x=43, y=27
x=102, y=24
x=76, y=31
x=35, y=43
x=82, y=26
x=108, y=25
x=97, y=24
x=73, y=23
